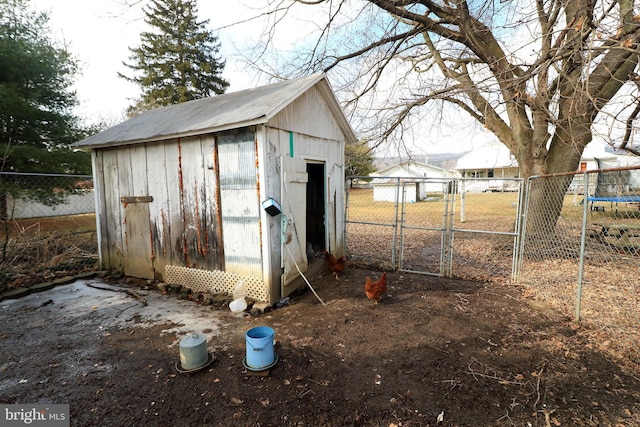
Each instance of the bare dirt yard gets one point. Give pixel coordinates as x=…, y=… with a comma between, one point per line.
x=434, y=352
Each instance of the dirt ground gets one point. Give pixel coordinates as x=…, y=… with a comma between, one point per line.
x=433, y=352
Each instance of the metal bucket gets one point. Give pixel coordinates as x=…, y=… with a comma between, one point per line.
x=193, y=352
x=260, y=353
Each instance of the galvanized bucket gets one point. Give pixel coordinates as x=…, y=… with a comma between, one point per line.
x=193, y=352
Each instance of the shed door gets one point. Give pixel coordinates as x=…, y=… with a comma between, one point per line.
x=138, y=253
x=294, y=219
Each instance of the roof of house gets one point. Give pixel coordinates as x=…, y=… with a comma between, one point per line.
x=487, y=156
x=408, y=169
x=222, y=112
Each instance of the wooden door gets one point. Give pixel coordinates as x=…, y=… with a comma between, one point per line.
x=294, y=220
x=138, y=249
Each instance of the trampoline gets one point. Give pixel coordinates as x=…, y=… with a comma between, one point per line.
x=623, y=198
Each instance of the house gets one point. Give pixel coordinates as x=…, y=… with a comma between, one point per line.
x=234, y=187
x=419, y=179
x=491, y=164
x=600, y=155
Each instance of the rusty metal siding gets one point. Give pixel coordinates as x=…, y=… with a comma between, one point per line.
x=186, y=223
x=240, y=205
x=160, y=209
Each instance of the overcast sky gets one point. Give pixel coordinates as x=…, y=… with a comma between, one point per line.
x=99, y=34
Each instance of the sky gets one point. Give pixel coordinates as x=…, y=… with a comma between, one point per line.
x=100, y=33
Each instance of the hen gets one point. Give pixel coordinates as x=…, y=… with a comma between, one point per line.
x=375, y=290
x=335, y=265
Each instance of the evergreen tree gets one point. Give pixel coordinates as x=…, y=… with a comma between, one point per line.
x=358, y=159
x=36, y=121
x=178, y=60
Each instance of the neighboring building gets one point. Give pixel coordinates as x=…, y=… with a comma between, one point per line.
x=186, y=193
x=444, y=160
x=419, y=179
x=81, y=202
x=492, y=165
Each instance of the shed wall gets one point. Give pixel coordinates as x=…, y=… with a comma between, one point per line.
x=309, y=115
x=178, y=201
x=307, y=129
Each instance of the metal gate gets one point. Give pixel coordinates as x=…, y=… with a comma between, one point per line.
x=452, y=227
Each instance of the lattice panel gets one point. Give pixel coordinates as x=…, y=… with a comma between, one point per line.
x=215, y=282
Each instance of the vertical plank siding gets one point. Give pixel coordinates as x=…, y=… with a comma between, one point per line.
x=193, y=204
x=317, y=138
x=181, y=217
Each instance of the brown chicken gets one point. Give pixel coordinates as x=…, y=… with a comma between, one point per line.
x=335, y=265
x=375, y=290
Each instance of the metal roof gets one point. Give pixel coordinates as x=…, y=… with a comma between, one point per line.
x=222, y=112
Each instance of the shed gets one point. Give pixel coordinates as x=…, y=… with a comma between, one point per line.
x=234, y=187
x=418, y=179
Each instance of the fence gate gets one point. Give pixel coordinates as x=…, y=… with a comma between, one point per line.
x=425, y=222
x=448, y=227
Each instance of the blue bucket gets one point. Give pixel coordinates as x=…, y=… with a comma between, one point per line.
x=260, y=353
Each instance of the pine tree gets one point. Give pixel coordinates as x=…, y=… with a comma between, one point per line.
x=178, y=60
x=36, y=101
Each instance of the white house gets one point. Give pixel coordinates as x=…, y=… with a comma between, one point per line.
x=491, y=165
x=418, y=180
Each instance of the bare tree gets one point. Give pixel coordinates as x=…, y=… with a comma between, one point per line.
x=538, y=74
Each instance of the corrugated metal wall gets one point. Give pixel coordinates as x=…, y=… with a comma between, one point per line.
x=239, y=200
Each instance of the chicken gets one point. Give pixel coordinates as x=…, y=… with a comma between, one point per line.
x=335, y=265
x=375, y=290
x=310, y=253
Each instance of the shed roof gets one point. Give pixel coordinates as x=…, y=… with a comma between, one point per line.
x=222, y=112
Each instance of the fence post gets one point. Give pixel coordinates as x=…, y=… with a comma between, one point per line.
x=396, y=223
x=462, y=194
x=583, y=239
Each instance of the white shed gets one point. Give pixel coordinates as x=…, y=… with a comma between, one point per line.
x=233, y=187
x=418, y=180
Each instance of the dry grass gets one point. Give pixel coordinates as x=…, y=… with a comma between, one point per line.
x=37, y=250
x=609, y=295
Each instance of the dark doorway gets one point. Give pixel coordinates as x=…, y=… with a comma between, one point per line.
x=315, y=206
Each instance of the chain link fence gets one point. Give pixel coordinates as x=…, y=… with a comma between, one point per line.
x=48, y=228
x=581, y=252
x=457, y=227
